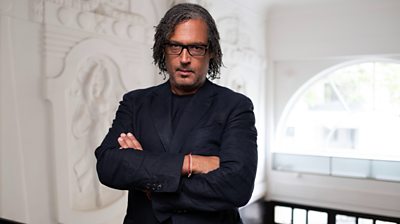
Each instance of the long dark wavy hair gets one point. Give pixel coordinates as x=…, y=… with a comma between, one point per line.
x=178, y=14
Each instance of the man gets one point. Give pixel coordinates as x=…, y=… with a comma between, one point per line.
x=186, y=149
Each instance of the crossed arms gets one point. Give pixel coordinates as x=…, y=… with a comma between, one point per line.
x=219, y=182
x=198, y=164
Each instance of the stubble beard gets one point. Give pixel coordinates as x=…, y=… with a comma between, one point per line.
x=190, y=87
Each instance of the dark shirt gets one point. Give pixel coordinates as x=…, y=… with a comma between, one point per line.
x=178, y=105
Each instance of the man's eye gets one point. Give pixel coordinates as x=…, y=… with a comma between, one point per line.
x=197, y=47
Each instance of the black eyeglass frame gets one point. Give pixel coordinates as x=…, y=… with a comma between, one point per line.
x=187, y=47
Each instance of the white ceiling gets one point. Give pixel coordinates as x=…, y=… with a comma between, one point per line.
x=263, y=7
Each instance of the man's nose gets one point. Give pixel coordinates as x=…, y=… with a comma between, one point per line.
x=185, y=56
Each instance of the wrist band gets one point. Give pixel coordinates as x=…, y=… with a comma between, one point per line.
x=190, y=165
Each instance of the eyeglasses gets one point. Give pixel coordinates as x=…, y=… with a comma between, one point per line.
x=194, y=50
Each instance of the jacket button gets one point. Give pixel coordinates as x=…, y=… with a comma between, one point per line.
x=180, y=211
x=147, y=186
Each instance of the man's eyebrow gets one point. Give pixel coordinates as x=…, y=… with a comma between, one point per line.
x=193, y=43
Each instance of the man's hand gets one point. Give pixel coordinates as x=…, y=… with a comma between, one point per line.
x=128, y=140
x=200, y=164
x=204, y=164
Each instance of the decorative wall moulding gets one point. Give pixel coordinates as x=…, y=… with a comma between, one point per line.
x=84, y=98
x=243, y=55
x=91, y=5
x=236, y=45
x=245, y=65
x=89, y=57
x=103, y=17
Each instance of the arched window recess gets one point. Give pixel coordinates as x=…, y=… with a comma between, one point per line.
x=344, y=122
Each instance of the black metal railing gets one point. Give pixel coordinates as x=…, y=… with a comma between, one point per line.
x=331, y=215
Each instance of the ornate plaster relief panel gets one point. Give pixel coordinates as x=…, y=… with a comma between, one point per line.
x=92, y=52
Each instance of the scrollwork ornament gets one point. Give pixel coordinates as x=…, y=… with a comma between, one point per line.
x=86, y=21
x=120, y=28
x=66, y=16
x=89, y=5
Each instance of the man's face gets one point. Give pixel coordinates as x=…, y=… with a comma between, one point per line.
x=187, y=73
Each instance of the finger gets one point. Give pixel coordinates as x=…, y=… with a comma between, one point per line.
x=122, y=143
x=127, y=142
x=135, y=143
x=122, y=140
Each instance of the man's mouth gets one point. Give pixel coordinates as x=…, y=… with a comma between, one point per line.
x=184, y=72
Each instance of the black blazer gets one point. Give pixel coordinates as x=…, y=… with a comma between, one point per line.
x=217, y=121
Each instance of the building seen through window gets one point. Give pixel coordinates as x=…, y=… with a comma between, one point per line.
x=344, y=122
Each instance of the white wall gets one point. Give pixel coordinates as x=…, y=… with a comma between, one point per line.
x=304, y=40
x=59, y=60
x=64, y=65
x=334, y=28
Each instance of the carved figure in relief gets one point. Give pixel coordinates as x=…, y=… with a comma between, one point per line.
x=186, y=149
x=94, y=94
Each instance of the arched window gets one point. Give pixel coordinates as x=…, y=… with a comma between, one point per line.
x=344, y=122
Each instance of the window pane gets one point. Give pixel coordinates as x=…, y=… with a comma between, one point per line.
x=386, y=170
x=350, y=167
x=365, y=221
x=354, y=84
x=301, y=163
x=344, y=219
x=350, y=113
x=283, y=215
x=315, y=217
x=384, y=222
x=353, y=110
x=299, y=216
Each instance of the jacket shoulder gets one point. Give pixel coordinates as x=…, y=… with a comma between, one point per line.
x=143, y=93
x=230, y=94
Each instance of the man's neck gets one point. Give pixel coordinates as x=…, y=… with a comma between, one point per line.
x=181, y=91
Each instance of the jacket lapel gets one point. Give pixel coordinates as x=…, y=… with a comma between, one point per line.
x=161, y=113
x=195, y=110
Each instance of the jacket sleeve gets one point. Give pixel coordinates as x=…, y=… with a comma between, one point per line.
x=127, y=168
x=232, y=184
